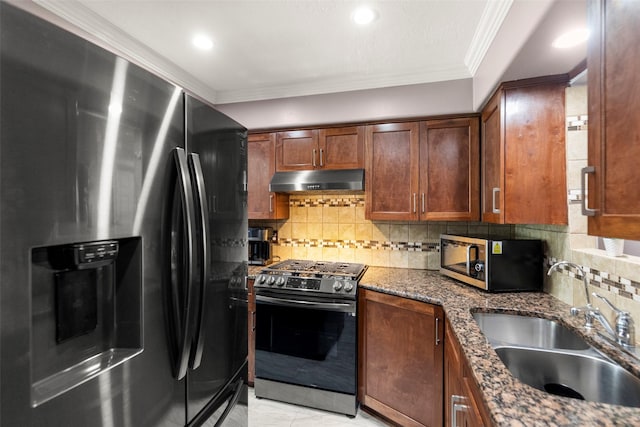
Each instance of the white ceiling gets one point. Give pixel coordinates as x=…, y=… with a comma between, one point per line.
x=267, y=49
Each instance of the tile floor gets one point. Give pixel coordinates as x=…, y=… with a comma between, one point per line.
x=269, y=413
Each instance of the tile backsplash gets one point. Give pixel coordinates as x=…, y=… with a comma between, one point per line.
x=333, y=228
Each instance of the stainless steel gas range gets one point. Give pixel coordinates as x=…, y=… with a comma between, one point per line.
x=306, y=323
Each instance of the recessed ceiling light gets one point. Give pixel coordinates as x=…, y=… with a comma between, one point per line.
x=571, y=38
x=363, y=15
x=202, y=42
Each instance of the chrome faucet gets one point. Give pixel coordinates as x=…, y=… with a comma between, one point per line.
x=589, y=310
x=585, y=280
x=624, y=333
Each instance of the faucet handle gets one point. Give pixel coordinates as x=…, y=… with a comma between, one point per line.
x=611, y=306
x=625, y=328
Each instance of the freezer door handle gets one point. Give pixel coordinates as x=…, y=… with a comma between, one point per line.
x=183, y=250
x=232, y=402
x=202, y=212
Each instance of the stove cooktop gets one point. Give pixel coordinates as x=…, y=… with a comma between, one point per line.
x=323, y=277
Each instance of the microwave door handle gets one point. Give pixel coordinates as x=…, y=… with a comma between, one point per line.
x=469, y=257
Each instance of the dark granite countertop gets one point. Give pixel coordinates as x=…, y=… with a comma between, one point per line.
x=509, y=401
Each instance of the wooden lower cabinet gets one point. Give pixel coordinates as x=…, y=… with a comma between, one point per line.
x=462, y=404
x=401, y=356
x=251, y=356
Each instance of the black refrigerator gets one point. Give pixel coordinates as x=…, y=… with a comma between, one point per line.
x=123, y=243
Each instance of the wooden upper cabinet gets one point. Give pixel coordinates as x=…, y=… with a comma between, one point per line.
x=523, y=153
x=261, y=203
x=423, y=171
x=450, y=170
x=492, y=161
x=391, y=178
x=330, y=148
x=614, y=127
x=341, y=148
x=297, y=150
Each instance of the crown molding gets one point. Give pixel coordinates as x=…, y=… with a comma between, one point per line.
x=321, y=87
x=492, y=17
x=108, y=36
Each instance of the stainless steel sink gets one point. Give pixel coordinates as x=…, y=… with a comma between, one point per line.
x=528, y=331
x=551, y=357
x=572, y=375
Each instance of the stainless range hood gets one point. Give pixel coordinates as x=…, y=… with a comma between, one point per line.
x=318, y=180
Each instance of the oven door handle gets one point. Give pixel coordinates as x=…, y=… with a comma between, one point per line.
x=334, y=306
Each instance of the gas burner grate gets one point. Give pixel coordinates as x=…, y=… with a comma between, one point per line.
x=318, y=268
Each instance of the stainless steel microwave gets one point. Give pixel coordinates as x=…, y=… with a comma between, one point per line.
x=495, y=265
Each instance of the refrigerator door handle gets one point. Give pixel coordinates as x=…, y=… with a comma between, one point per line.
x=184, y=316
x=202, y=211
x=232, y=402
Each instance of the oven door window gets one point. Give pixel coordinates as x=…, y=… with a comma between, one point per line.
x=307, y=346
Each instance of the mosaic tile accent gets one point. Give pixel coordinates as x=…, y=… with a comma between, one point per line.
x=338, y=202
x=577, y=122
x=601, y=279
x=362, y=244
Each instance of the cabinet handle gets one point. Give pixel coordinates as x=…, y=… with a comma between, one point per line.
x=415, y=208
x=253, y=321
x=457, y=405
x=495, y=191
x=437, y=330
x=321, y=159
x=313, y=157
x=583, y=190
x=270, y=203
x=423, y=205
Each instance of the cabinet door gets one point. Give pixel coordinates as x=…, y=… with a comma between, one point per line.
x=614, y=128
x=462, y=405
x=523, y=153
x=341, y=148
x=401, y=358
x=263, y=204
x=534, y=155
x=391, y=187
x=251, y=356
x=492, y=160
x=452, y=379
x=450, y=170
x=297, y=150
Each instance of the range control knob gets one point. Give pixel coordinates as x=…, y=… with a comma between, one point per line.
x=348, y=286
x=337, y=285
x=271, y=280
x=280, y=281
x=261, y=279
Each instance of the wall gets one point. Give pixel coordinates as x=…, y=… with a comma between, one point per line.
x=421, y=100
x=616, y=278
